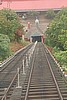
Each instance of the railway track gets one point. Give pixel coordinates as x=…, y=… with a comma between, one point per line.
x=43, y=80
x=8, y=72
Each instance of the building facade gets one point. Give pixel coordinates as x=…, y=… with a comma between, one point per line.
x=22, y=5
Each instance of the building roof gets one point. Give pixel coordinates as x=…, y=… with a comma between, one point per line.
x=33, y=31
x=33, y=4
x=36, y=34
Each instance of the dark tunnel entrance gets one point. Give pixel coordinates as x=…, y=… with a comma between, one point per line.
x=36, y=38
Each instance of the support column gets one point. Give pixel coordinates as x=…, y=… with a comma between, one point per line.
x=23, y=67
x=18, y=70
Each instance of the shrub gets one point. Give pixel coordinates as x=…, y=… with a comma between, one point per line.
x=4, y=46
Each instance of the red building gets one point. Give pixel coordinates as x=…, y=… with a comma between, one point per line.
x=22, y=5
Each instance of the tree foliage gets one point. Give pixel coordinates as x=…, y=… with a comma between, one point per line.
x=57, y=37
x=57, y=30
x=9, y=22
x=4, y=46
x=61, y=56
x=33, y=13
x=50, y=14
x=8, y=14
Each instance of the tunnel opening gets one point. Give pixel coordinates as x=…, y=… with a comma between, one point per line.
x=36, y=38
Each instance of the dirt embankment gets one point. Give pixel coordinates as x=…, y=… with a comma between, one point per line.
x=15, y=46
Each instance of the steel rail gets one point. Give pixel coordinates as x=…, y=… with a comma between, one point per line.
x=9, y=86
x=26, y=95
x=60, y=95
x=29, y=80
x=12, y=57
x=55, y=62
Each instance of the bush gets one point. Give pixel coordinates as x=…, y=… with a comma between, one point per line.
x=24, y=43
x=61, y=56
x=50, y=14
x=57, y=31
x=9, y=23
x=57, y=37
x=4, y=47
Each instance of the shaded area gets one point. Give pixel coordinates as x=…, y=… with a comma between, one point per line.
x=36, y=37
x=4, y=84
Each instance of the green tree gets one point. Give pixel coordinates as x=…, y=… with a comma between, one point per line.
x=4, y=46
x=9, y=22
x=50, y=14
x=8, y=14
x=33, y=14
x=57, y=30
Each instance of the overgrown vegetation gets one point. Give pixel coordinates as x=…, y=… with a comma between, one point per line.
x=4, y=47
x=61, y=56
x=9, y=23
x=10, y=30
x=24, y=42
x=50, y=14
x=57, y=36
x=33, y=14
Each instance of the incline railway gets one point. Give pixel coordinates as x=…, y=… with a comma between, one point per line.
x=8, y=71
x=43, y=78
